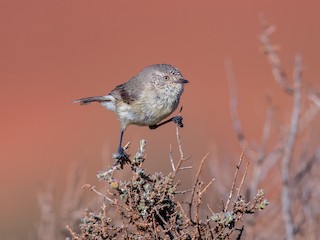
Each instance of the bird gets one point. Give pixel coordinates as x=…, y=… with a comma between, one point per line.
x=145, y=100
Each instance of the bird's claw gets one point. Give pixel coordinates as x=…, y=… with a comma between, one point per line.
x=121, y=157
x=152, y=127
x=178, y=120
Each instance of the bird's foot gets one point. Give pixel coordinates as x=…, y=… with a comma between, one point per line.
x=121, y=157
x=152, y=127
x=178, y=120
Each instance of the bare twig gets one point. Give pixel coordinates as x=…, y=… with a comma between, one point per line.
x=315, y=99
x=186, y=168
x=171, y=159
x=183, y=191
x=242, y=180
x=182, y=158
x=288, y=151
x=93, y=188
x=155, y=227
x=178, y=166
x=206, y=187
x=179, y=143
x=278, y=72
x=267, y=125
x=167, y=229
x=48, y=220
x=73, y=234
x=310, y=113
x=234, y=110
x=234, y=181
x=212, y=212
x=234, y=103
x=184, y=214
x=195, y=185
x=304, y=170
x=104, y=220
x=260, y=161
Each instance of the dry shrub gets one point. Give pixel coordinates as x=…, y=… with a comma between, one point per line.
x=145, y=205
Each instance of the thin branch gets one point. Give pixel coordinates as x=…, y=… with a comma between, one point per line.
x=234, y=109
x=260, y=161
x=48, y=218
x=303, y=171
x=242, y=180
x=311, y=112
x=212, y=212
x=234, y=103
x=184, y=214
x=183, y=191
x=195, y=184
x=315, y=99
x=179, y=143
x=206, y=187
x=178, y=166
x=186, y=168
x=73, y=234
x=278, y=72
x=171, y=159
x=267, y=124
x=234, y=182
x=155, y=227
x=93, y=188
x=271, y=159
x=288, y=151
x=182, y=158
x=163, y=221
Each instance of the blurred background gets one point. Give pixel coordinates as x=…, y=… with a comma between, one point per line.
x=52, y=52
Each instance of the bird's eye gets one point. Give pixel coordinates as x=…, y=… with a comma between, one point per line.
x=166, y=77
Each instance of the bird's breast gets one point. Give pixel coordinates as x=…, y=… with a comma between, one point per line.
x=157, y=107
x=149, y=109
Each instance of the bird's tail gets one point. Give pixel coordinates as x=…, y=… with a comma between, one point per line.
x=88, y=100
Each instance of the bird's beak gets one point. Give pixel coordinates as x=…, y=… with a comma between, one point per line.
x=181, y=80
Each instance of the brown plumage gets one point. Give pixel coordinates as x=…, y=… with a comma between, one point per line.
x=145, y=100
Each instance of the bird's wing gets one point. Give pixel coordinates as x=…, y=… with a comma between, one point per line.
x=126, y=93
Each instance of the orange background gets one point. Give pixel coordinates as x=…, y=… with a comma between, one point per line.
x=52, y=52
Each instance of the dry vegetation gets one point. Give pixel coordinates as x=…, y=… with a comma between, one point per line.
x=145, y=206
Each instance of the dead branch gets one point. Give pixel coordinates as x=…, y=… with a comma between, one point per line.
x=234, y=181
x=288, y=151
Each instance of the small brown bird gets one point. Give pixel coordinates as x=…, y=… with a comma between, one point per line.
x=145, y=100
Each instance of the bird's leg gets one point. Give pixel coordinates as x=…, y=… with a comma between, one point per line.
x=177, y=120
x=120, y=149
x=121, y=156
